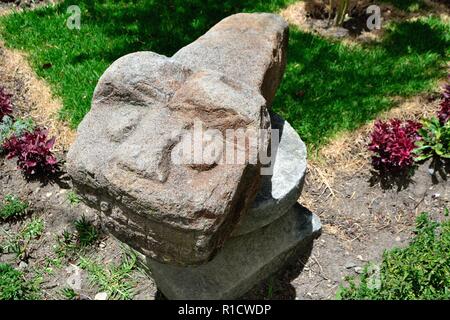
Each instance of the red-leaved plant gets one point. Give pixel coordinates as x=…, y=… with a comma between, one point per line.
x=5, y=104
x=444, y=112
x=33, y=152
x=393, y=142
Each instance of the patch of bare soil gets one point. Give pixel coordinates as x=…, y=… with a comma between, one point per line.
x=361, y=217
x=49, y=201
x=313, y=16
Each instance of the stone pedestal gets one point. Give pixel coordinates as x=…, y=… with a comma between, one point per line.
x=243, y=262
x=274, y=230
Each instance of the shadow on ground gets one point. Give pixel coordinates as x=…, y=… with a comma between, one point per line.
x=438, y=171
x=278, y=286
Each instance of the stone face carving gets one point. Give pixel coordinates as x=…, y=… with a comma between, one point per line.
x=121, y=162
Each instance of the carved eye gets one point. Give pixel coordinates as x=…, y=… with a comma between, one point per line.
x=123, y=123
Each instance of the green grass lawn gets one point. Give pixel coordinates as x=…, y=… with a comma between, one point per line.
x=328, y=87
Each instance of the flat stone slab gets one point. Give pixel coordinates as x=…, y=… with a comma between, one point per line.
x=144, y=109
x=243, y=262
x=280, y=191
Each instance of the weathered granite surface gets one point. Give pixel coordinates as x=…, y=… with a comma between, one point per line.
x=142, y=106
x=250, y=48
x=281, y=190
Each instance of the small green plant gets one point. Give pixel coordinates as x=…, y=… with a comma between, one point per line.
x=85, y=235
x=435, y=140
x=116, y=280
x=51, y=262
x=66, y=245
x=420, y=271
x=69, y=294
x=33, y=229
x=14, y=127
x=12, y=207
x=73, y=198
x=19, y=243
x=86, y=231
x=14, y=286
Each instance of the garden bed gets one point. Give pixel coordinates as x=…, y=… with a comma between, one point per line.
x=53, y=203
x=361, y=217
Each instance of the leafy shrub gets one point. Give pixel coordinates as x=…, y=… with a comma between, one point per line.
x=393, y=142
x=33, y=152
x=5, y=104
x=13, y=285
x=12, y=207
x=14, y=127
x=444, y=113
x=435, y=140
x=419, y=271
